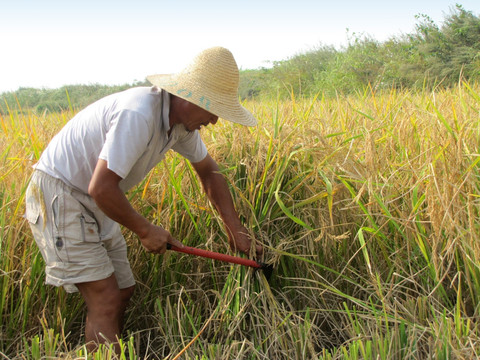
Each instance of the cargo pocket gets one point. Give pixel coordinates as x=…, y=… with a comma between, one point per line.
x=89, y=228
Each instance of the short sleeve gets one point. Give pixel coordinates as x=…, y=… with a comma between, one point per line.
x=125, y=142
x=191, y=147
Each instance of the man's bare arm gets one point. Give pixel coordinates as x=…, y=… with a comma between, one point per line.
x=218, y=193
x=104, y=189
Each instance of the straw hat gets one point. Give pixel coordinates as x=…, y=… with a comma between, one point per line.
x=211, y=82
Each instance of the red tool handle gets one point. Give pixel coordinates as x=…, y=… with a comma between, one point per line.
x=215, y=255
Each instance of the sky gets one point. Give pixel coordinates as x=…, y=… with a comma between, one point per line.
x=51, y=43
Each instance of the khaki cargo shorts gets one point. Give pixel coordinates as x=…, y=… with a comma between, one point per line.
x=78, y=242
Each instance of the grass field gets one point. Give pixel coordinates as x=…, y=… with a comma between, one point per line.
x=367, y=206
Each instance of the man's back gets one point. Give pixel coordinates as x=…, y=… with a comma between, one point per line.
x=73, y=153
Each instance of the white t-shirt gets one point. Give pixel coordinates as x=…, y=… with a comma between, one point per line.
x=129, y=130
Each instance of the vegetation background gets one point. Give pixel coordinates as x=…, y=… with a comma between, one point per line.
x=361, y=181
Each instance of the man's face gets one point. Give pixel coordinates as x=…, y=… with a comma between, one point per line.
x=193, y=117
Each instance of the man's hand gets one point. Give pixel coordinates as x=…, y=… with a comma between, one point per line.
x=156, y=238
x=240, y=240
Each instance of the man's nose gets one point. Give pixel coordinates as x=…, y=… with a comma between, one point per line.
x=214, y=120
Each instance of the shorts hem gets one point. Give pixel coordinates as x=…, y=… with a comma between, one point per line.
x=70, y=286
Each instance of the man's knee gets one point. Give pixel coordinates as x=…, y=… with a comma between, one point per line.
x=126, y=294
x=102, y=297
x=108, y=305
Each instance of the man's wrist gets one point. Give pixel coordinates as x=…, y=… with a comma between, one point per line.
x=142, y=227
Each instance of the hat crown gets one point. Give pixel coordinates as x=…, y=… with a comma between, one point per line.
x=216, y=69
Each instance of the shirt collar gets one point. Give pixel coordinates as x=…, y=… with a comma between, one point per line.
x=166, y=110
x=178, y=129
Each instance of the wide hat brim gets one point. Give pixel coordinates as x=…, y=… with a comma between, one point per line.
x=211, y=82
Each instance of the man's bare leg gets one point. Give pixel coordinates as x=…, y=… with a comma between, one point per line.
x=125, y=295
x=106, y=305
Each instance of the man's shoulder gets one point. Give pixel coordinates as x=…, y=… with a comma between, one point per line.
x=139, y=95
x=142, y=100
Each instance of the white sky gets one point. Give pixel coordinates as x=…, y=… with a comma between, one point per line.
x=50, y=43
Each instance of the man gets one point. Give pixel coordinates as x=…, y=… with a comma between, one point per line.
x=75, y=201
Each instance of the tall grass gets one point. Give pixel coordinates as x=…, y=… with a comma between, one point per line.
x=367, y=206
